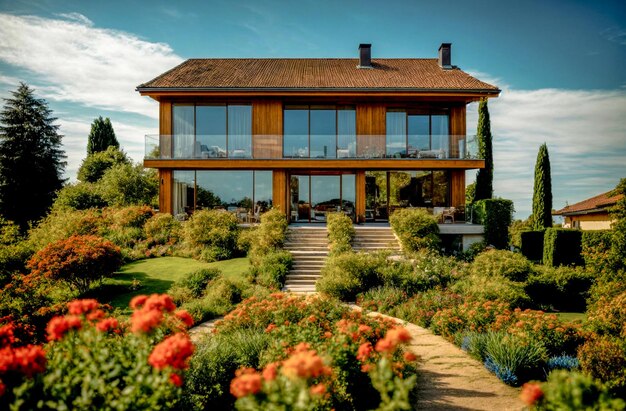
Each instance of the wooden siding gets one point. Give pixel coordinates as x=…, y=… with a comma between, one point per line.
x=280, y=189
x=320, y=164
x=370, y=128
x=267, y=128
x=165, y=128
x=165, y=191
x=457, y=128
x=457, y=188
x=360, y=196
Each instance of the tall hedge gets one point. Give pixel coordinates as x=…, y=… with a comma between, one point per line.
x=542, y=193
x=562, y=247
x=495, y=215
x=531, y=244
x=484, y=178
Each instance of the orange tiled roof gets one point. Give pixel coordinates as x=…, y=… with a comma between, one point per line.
x=324, y=73
x=590, y=205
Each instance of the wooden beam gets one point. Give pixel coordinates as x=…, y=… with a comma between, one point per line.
x=279, y=190
x=360, y=196
x=457, y=188
x=165, y=190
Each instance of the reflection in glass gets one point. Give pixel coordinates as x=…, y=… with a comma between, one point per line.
x=325, y=196
x=296, y=133
x=376, y=196
x=184, y=131
x=230, y=189
x=210, y=131
x=183, y=192
x=348, y=195
x=262, y=192
x=323, y=133
x=439, y=133
x=346, y=133
x=396, y=134
x=418, y=134
x=300, y=202
x=239, y=131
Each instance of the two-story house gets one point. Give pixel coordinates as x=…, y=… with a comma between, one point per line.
x=308, y=136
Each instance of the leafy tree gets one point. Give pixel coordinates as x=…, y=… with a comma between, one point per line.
x=80, y=196
x=618, y=212
x=125, y=184
x=484, y=178
x=542, y=195
x=31, y=158
x=470, y=192
x=94, y=165
x=101, y=136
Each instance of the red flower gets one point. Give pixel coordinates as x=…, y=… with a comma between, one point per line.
x=58, y=326
x=246, y=382
x=2, y=388
x=138, y=301
x=409, y=356
x=28, y=360
x=173, y=352
x=108, y=324
x=145, y=320
x=270, y=372
x=162, y=302
x=79, y=307
x=270, y=328
x=364, y=352
x=185, y=317
x=176, y=379
x=531, y=393
x=394, y=337
x=95, y=315
x=318, y=389
x=6, y=335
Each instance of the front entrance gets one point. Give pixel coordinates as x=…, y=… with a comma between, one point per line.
x=312, y=196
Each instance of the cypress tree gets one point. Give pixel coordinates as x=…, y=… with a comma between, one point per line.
x=484, y=178
x=542, y=194
x=101, y=136
x=31, y=157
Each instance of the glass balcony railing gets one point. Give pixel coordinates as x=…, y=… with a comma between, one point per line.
x=441, y=147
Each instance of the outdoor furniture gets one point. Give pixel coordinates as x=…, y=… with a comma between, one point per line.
x=448, y=215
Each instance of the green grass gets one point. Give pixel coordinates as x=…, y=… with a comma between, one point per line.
x=572, y=316
x=157, y=275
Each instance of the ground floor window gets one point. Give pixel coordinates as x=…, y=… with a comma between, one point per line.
x=312, y=196
x=386, y=191
x=245, y=193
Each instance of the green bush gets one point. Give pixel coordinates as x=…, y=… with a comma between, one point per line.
x=198, y=280
x=348, y=274
x=495, y=215
x=482, y=288
x=574, y=391
x=562, y=247
x=507, y=264
x=247, y=236
x=79, y=196
x=340, y=232
x=513, y=359
x=211, y=234
x=415, y=228
x=559, y=288
x=162, y=229
x=383, y=298
x=474, y=343
x=220, y=296
x=531, y=244
x=125, y=184
x=604, y=357
x=270, y=234
x=94, y=165
x=272, y=268
x=516, y=228
x=13, y=259
x=61, y=224
x=421, y=308
x=596, y=249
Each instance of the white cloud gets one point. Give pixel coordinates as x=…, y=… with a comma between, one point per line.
x=586, y=136
x=74, y=61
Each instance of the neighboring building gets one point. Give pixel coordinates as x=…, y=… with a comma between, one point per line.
x=309, y=136
x=589, y=214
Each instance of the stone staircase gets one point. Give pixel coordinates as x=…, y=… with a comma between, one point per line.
x=309, y=247
x=373, y=238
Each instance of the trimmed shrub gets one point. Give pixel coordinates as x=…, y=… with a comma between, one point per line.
x=507, y=264
x=272, y=268
x=596, y=249
x=513, y=359
x=340, y=232
x=198, y=280
x=270, y=234
x=516, y=228
x=562, y=247
x=162, y=229
x=220, y=296
x=345, y=275
x=496, y=215
x=211, y=234
x=604, y=358
x=415, y=228
x=80, y=261
x=559, y=288
x=531, y=244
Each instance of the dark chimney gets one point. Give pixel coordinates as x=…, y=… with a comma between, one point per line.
x=445, y=55
x=365, y=56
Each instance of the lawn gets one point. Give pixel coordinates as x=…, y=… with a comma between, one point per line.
x=157, y=275
x=564, y=316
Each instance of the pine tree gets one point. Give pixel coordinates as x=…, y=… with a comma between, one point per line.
x=101, y=136
x=484, y=178
x=31, y=157
x=542, y=194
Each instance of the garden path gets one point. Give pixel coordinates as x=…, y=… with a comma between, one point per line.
x=449, y=379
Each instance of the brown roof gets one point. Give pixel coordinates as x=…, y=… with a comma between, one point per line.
x=590, y=205
x=321, y=73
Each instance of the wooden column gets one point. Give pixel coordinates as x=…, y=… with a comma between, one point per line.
x=165, y=129
x=267, y=129
x=165, y=190
x=370, y=130
x=360, y=196
x=457, y=129
x=457, y=188
x=280, y=190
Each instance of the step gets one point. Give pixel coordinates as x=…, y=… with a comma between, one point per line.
x=304, y=272
x=313, y=277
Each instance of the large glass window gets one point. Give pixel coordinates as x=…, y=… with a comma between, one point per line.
x=417, y=135
x=212, y=131
x=183, y=192
x=314, y=196
x=396, y=134
x=319, y=132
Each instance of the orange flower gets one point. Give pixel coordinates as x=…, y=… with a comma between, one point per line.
x=531, y=393
x=328, y=334
x=318, y=389
x=270, y=328
x=366, y=367
x=95, y=315
x=394, y=337
x=58, y=326
x=162, y=302
x=364, y=352
x=173, y=352
x=185, y=317
x=79, y=307
x=176, y=379
x=409, y=356
x=138, y=301
x=108, y=324
x=7, y=337
x=145, y=320
x=28, y=360
x=304, y=364
x=364, y=329
x=270, y=372
x=245, y=383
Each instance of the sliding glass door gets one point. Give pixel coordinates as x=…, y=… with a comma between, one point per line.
x=312, y=197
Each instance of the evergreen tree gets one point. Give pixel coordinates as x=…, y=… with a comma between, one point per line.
x=542, y=194
x=484, y=178
x=31, y=158
x=618, y=237
x=101, y=136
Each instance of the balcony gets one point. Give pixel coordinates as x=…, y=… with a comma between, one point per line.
x=264, y=147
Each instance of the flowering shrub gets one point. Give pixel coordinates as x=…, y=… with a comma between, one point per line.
x=608, y=315
x=162, y=229
x=211, y=234
x=604, y=358
x=421, y=308
x=470, y=316
x=381, y=298
x=95, y=361
x=340, y=232
x=502, y=263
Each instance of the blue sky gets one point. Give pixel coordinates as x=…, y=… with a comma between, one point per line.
x=561, y=66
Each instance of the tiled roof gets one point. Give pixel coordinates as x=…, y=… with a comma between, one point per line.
x=331, y=73
x=593, y=204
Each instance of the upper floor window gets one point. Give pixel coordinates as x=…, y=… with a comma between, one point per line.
x=417, y=135
x=319, y=132
x=212, y=131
